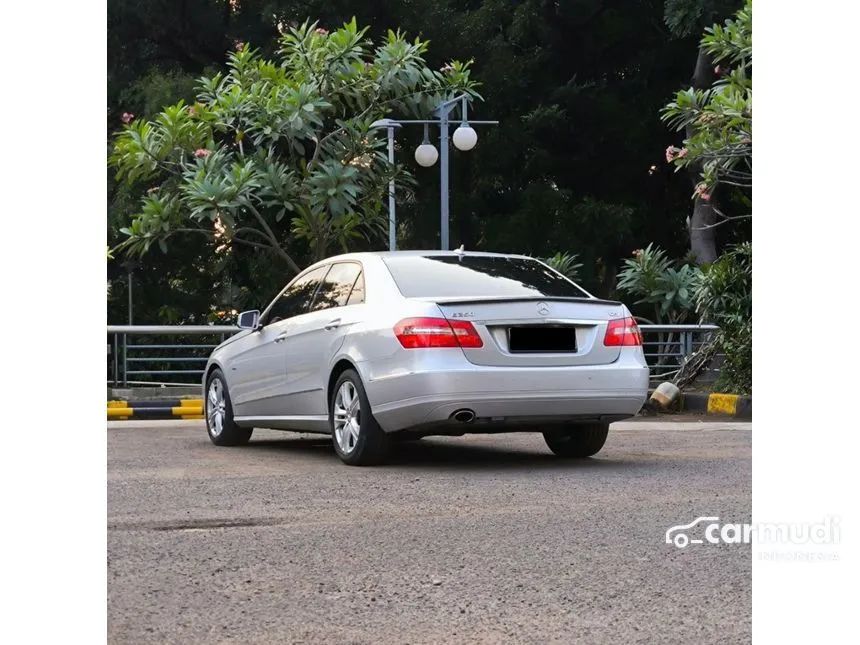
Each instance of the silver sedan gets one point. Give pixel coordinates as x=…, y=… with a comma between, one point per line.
x=372, y=347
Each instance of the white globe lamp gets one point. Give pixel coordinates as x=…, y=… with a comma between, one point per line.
x=426, y=154
x=465, y=137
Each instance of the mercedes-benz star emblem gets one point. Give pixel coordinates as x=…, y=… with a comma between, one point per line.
x=543, y=309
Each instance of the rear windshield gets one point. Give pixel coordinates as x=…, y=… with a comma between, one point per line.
x=476, y=276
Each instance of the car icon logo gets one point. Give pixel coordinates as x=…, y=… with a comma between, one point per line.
x=675, y=535
x=543, y=309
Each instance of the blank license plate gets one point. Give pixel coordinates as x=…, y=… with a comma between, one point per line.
x=543, y=338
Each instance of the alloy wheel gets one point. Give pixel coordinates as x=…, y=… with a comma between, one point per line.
x=347, y=417
x=216, y=410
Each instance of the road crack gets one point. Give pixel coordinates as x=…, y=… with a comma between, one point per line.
x=197, y=524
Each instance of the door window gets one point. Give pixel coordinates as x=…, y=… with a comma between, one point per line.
x=336, y=288
x=296, y=298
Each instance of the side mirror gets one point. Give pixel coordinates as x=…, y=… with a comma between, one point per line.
x=249, y=319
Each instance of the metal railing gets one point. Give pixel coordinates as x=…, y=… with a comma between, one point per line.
x=161, y=354
x=666, y=346
x=173, y=355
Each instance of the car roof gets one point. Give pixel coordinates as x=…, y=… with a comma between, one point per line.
x=413, y=253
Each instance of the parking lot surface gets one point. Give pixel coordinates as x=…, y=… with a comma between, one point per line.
x=477, y=539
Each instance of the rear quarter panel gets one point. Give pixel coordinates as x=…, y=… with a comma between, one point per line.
x=370, y=344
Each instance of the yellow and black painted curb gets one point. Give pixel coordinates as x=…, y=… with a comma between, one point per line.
x=731, y=405
x=164, y=409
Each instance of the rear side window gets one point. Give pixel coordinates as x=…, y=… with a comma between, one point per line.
x=477, y=276
x=356, y=297
x=336, y=288
x=297, y=298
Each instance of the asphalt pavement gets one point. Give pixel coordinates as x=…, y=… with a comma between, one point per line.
x=477, y=539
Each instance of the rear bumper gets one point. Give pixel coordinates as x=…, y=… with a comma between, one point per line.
x=508, y=397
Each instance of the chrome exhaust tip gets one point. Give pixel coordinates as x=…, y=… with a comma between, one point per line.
x=463, y=416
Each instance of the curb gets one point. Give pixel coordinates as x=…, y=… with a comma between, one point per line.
x=165, y=409
x=731, y=405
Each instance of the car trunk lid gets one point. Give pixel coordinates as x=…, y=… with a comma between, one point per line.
x=537, y=331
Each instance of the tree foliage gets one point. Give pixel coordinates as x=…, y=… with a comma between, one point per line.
x=687, y=17
x=718, y=119
x=275, y=151
x=575, y=163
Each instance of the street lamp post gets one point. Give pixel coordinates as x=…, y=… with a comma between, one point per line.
x=464, y=138
x=130, y=266
x=390, y=125
x=444, y=111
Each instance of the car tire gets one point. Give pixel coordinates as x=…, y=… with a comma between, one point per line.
x=577, y=440
x=218, y=412
x=358, y=440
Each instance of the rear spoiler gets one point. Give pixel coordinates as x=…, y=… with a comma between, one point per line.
x=477, y=301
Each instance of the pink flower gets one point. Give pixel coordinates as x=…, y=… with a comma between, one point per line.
x=717, y=70
x=446, y=68
x=682, y=153
x=671, y=153
x=238, y=45
x=154, y=189
x=202, y=153
x=637, y=253
x=321, y=31
x=192, y=111
x=702, y=191
x=127, y=117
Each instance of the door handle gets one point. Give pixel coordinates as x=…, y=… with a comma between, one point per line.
x=333, y=324
x=280, y=338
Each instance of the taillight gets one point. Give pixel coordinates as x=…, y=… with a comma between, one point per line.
x=416, y=333
x=622, y=332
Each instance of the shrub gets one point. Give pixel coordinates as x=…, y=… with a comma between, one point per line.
x=566, y=264
x=651, y=277
x=724, y=297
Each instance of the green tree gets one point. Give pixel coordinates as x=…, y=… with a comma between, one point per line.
x=719, y=119
x=278, y=154
x=573, y=165
x=683, y=18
